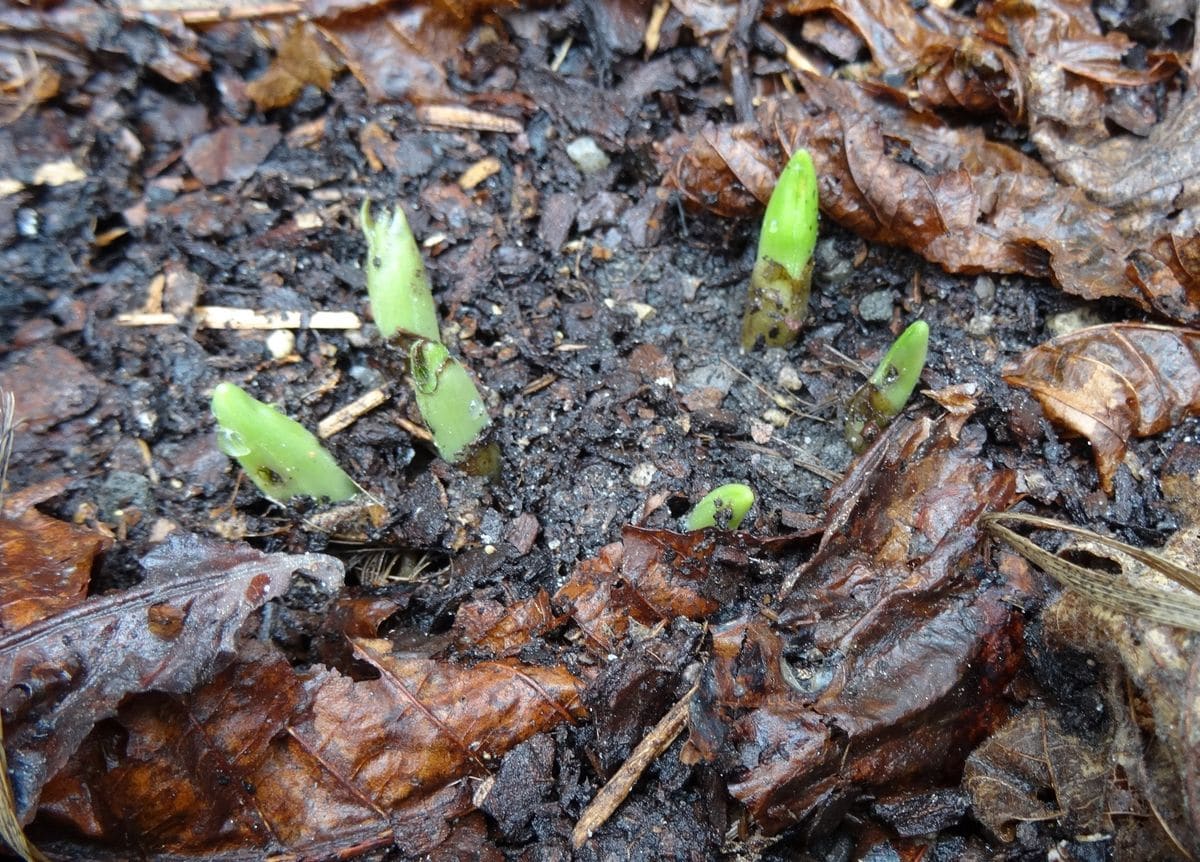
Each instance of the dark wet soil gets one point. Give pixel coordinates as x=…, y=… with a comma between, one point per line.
x=601, y=316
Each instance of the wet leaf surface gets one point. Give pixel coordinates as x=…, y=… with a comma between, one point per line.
x=1112, y=383
x=891, y=657
x=66, y=673
x=47, y=566
x=265, y=757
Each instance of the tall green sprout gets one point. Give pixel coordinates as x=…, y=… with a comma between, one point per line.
x=402, y=301
x=397, y=284
x=782, y=275
x=279, y=455
x=880, y=400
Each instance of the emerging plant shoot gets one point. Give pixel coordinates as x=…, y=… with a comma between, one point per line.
x=723, y=507
x=279, y=454
x=779, y=284
x=448, y=399
x=880, y=400
x=397, y=284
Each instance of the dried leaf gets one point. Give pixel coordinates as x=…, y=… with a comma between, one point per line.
x=67, y=672
x=230, y=154
x=1113, y=382
x=267, y=760
x=662, y=575
x=301, y=60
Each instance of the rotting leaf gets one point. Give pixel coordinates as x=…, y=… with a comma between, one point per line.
x=1033, y=757
x=652, y=576
x=301, y=60
x=504, y=631
x=67, y=672
x=47, y=565
x=890, y=657
x=270, y=760
x=1113, y=382
x=897, y=175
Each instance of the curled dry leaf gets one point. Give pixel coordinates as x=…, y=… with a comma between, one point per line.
x=1113, y=382
x=895, y=657
x=67, y=672
x=900, y=176
x=953, y=61
x=266, y=760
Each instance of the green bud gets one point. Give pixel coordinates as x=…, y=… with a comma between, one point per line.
x=397, y=284
x=782, y=275
x=279, y=455
x=723, y=507
x=448, y=399
x=881, y=399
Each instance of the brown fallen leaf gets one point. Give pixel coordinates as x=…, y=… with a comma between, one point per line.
x=888, y=660
x=896, y=175
x=301, y=59
x=1113, y=382
x=47, y=566
x=654, y=576
x=230, y=154
x=67, y=672
x=267, y=760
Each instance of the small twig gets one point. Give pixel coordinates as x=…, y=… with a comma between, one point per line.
x=8, y=428
x=344, y=417
x=613, y=793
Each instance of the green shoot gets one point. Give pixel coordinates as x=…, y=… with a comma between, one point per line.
x=723, y=507
x=880, y=400
x=782, y=275
x=399, y=288
x=279, y=455
x=448, y=399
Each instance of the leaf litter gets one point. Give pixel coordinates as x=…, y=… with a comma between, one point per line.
x=888, y=653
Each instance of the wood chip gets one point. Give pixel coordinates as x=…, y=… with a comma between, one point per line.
x=613, y=793
x=199, y=12
x=224, y=317
x=478, y=172
x=58, y=173
x=458, y=117
x=344, y=417
x=796, y=58
x=142, y=318
x=654, y=26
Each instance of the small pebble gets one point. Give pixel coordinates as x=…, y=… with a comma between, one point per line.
x=642, y=475
x=985, y=289
x=876, y=306
x=587, y=155
x=829, y=266
x=981, y=325
x=1066, y=322
x=281, y=343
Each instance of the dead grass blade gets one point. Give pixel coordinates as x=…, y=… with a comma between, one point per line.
x=1181, y=609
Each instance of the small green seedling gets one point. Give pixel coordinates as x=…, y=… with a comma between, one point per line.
x=448, y=399
x=880, y=400
x=782, y=276
x=279, y=454
x=723, y=507
x=397, y=284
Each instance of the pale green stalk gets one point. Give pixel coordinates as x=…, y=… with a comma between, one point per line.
x=279, y=455
x=782, y=275
x=448, y=399
x=881, y=399
x=725, y=507
x=399, y=288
